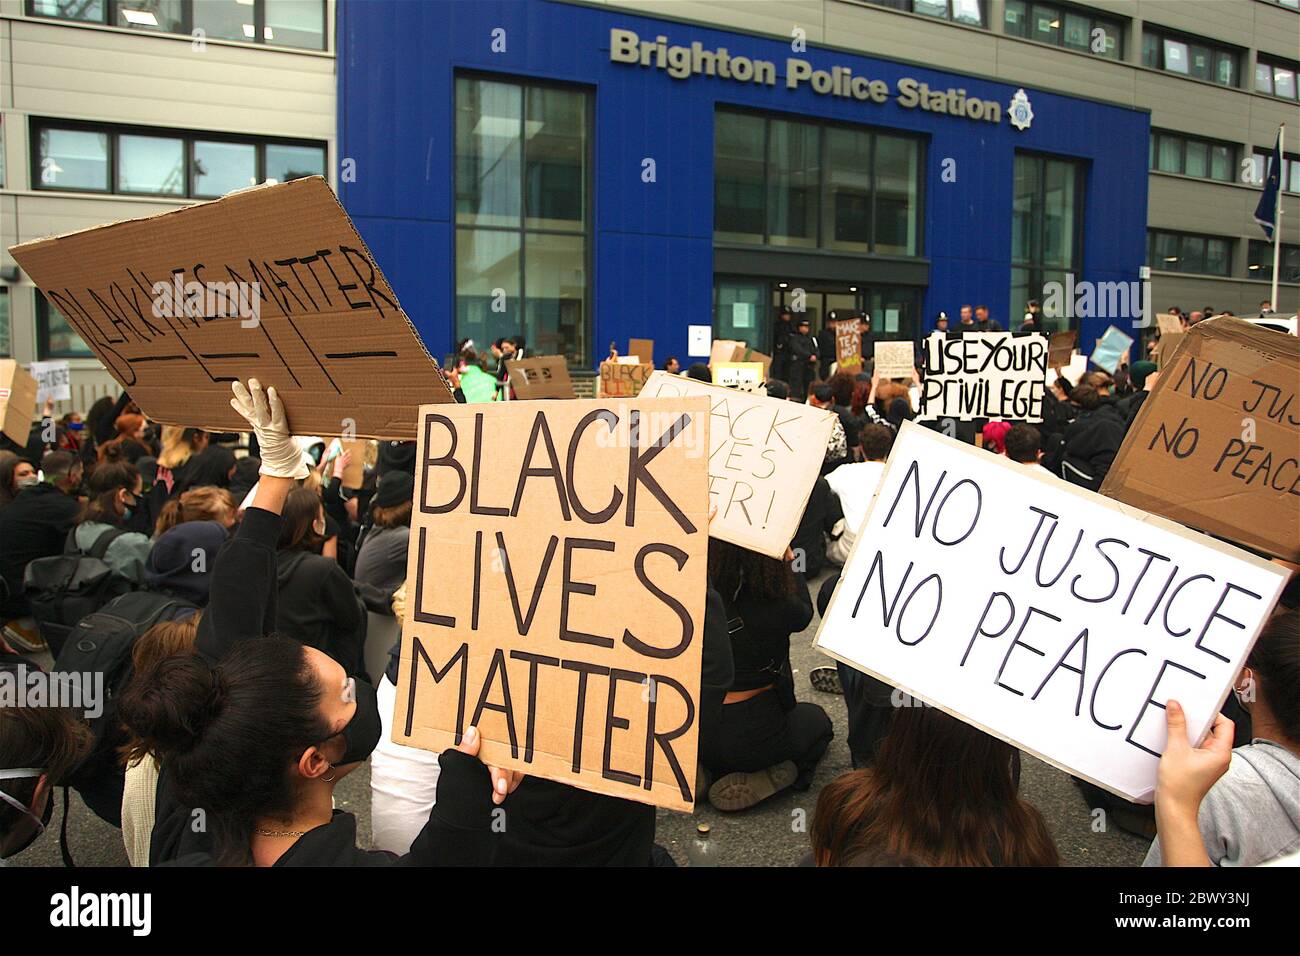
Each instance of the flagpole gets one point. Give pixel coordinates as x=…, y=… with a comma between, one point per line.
x=1277, y=216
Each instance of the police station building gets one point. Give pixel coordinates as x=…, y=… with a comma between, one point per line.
x=583, y=174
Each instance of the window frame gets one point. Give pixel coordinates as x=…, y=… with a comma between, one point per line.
x=1035, y=268
x=909, y=6
x=1157, y=37
x=920, y=141
x=1095, y=20
x=111, y=8
x=1182, y=236
x=1273, y=64
x=1157, y=140
x=520, y=229
x=188, y=138
x=43, y=306
x=1265, y=272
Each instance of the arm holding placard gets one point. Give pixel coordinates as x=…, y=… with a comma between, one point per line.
x=1185, y=776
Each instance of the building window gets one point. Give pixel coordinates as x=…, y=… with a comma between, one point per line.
x=1290, y=178
x=55, y=336
x=1064, y=26
x=1190, y=156
x=82, y=157
x=6, y=342
x=1276, y=78
x=1189, y=252
x=523, y=215
x=970, y=12
x=1046, y=226
x=1189, y=56
x=1259, y=262
x=781, y=182
x=292, y=23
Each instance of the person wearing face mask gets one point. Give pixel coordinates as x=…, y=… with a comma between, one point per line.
x=317, y=603
x=15, y=474
x=1252, y=813
x=258, y=730
x=114, y=488
x=35, y=525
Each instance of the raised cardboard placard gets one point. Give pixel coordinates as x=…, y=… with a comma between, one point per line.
x=1169, y=343
x=557, y=577
x=765, y=455
x=1167, y=322
x=1084, y=619
x=742, y=376
x=1112, y=350
x=643, y=349
x=623, y=379
x=727, y=350
x=271, y=282
x=895, y=360
x=17, y=401
x=545, y=376
x=1060, y=348
x=1216, y=445
x=984, y=375
x=848, y=342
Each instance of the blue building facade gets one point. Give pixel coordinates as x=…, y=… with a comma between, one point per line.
x=662, y=222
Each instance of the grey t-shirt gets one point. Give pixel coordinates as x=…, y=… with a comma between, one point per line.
x=382, y=558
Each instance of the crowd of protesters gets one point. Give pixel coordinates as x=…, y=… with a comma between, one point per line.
x=258, y=596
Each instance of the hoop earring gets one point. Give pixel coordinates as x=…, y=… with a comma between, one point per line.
x=329, y=779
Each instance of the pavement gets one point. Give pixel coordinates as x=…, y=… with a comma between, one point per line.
x=775, y=833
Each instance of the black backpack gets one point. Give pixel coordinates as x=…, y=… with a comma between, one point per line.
x=101, y=643
x=66, y=587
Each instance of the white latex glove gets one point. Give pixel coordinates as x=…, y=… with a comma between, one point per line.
x=281, y=456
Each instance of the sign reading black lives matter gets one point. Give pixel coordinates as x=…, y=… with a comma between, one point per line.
x=555, y=595
x=984, y=375
x=272, y=283
x=1084, y=618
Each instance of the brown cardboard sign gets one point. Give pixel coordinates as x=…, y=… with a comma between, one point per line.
x=1060, y=348
x=765, y=455
x=643, y=349
x=766, y=360
x=894, y=360
x=546, y=376
x=623, y=379
x=1216, y=445
x=272, y=283
x=17, y=401
x=1167, y=322
x=557, y=577
x=1169, y=343
x=727, y=350
x=355, y=472
x=848, y=342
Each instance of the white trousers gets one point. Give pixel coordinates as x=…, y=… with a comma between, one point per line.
x=403, y=783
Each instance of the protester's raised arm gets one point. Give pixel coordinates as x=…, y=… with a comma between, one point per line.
x=1185, y=776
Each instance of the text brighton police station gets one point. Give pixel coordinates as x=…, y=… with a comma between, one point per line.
x=681, y=62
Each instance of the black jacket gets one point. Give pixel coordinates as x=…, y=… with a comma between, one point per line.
x=34, y=525
x=318, y=606
x=819, y=517
x=1091, y=442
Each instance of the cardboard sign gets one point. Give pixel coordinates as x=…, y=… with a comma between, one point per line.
x=1169, y=343
x=1112, y=349
x=895, y=360
x=643, y=349
x=546, y=376
x=355, y=472
x=53, y=381
x=17, y=401
x=272, y=283
x=623, y=379
x=1084, y=619
x=742, y=376
x=1060, y=348
x=984, y=375
x=848, y=342
x=557, y=571
x=1167, y=322
x=727, y=350
x=764, y=457
x=1216, y=445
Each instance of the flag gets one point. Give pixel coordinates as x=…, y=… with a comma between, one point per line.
x=1266, y=211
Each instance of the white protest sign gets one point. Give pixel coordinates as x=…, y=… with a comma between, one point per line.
x=53, y=380
x=894, y=360
x=764, y=458
x=699, y=340
x=1047, y=615
x=742, y=376
x=984, y=375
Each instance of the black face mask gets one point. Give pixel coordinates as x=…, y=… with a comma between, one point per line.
x=361, y=735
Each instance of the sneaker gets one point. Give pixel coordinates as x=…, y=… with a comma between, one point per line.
x=26, y=639
x=826, y=680
x=740, y=791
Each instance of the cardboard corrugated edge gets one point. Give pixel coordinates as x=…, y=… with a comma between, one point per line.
x=1270, y=345
x=238, y=195
x=828, y=422
x=1146, y=517
x=20, y=384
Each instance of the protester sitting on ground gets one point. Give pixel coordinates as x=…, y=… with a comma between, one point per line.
x=1252, y=814
x=820, y=517
x=1139, y=375
x=381, y=562
x=671, y=365
x=940, y=793
x=764, y=741
x=993, y=436
x=205, y=503
x=212, y=467
x=16, y=473
x=863, y=403
x=820, y=396
x=1023, y=444
x=179, y=447
x=855, y=486
x=39, y=747
x=130, y=439
x=1090, y=442
x=244, y=479
x=777, y=389
x=114, y=493
x=36, y=525
x=317, y=604
x=700, y=372
x=140, y=787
